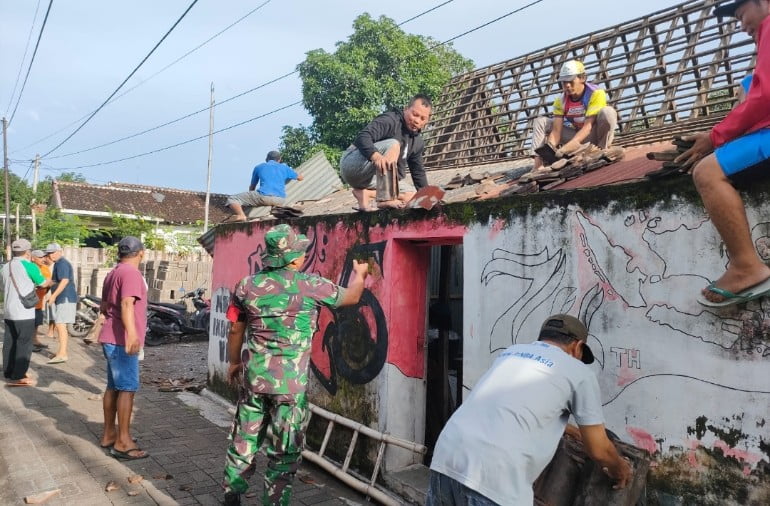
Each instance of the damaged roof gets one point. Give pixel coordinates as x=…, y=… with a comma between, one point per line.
x=168, y=205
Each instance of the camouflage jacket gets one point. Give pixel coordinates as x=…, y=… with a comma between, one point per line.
x=281, y=309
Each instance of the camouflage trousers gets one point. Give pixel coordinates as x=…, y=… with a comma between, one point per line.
x=287, y=417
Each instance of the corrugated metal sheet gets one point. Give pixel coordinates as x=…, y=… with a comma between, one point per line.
x=319, y=180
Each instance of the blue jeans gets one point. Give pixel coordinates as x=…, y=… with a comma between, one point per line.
x=445, y=491
x=122, y=368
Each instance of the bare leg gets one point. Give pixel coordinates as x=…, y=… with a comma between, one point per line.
x=125, y=406
x=727, y=212
x=61, y=329
x=538, y=162
x=363, y=197
x=110, y=408
x=238, y=210
x=51, y=329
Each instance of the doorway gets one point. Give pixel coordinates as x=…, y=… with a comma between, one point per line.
x=444, y=342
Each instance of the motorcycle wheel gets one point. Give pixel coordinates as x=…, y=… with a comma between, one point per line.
x=80, y=328
x=152, y=339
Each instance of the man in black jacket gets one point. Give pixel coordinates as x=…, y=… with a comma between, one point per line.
x=383, y=149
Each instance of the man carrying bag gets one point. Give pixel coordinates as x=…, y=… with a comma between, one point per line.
x=19, y=278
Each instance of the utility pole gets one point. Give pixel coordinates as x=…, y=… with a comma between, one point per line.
x=35, y=176
x=211, y=152
x=7, y=229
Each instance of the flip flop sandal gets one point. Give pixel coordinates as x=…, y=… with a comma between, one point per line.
x=57, y=360
x=126, y=455
x=21, y=383
x=753, y=292
x=109, y=446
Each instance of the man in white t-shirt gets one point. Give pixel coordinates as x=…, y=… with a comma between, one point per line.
x=498, y=442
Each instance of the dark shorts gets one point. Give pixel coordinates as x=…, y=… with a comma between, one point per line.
x=122, y=369
x=39, y=317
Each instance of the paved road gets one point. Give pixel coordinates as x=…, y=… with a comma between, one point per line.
x=49, y=438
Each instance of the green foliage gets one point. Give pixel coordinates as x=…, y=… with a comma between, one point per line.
x=378, y=68
x=56, y=227
x=298, y=144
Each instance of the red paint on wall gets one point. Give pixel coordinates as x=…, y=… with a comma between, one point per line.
x=399, y=283
x=643, y=439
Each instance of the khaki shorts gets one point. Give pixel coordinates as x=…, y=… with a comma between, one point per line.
x=65, y=312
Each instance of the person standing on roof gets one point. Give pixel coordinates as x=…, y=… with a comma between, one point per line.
x=501, y=438
x=580, y=115
x=279, y=305
x=267, y=188
x=739, y=142
x=382, y=151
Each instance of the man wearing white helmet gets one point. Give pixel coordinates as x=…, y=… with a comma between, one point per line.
x=580, y=115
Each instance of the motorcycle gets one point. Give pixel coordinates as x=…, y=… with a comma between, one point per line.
x=86, y=316
x=165, y=320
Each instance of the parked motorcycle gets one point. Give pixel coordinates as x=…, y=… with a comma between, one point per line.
x=166, y=320
x=85, y=317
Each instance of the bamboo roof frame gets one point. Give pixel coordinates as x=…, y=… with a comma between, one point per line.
x=672, y=71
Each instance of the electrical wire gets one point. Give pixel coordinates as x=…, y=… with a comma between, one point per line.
x=143, y=81
x=125, y=80
x=499, y=18
x=199, y=111
x=188, y=141
x=23, y=59
x=31, y=61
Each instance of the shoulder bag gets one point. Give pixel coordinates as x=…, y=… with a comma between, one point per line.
x=31, y=299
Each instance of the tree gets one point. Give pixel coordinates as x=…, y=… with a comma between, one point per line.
x=300, y=143
x=378, y=68
x=56, y=227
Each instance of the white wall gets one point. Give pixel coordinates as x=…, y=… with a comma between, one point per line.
x=663, y=360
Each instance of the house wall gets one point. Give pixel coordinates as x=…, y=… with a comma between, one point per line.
x=367, y=361
x=686, y=383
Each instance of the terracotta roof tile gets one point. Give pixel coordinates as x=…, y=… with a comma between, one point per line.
x=169, y=205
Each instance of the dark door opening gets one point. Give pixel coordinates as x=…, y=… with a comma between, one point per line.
x=444, y=354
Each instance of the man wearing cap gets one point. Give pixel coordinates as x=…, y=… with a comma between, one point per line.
x=267, y=188
x=739, y=142
x=40, y=259
x=63, y=296
x=375, y=164
x=580, y=115
x=19, y=277
x=279, y=305
x=498, y=442
x=124, y=306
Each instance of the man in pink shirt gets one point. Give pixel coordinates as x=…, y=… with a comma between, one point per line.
x=738, y=142
x=124, y=305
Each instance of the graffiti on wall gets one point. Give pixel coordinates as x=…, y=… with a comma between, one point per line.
x=352, y=341
x=632, y=279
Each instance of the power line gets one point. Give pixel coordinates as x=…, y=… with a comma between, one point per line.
x=173, y=120
x=125, y=80
x=165, y=148
x=34, y=53
x=297, y=102
x=23, y=59
x=251, y=90
x=143, y=81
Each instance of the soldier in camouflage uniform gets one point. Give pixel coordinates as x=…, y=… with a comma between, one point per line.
x=279, y=305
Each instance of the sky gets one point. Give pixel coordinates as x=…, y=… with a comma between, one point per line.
x=89, y=47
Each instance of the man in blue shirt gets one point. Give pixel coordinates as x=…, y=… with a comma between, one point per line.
x=271, y=177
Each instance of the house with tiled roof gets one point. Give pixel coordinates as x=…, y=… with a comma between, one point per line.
x=625, y=251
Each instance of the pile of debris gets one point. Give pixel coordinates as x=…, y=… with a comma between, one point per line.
x=587, y=158
x=285, y=212
x=670, y=167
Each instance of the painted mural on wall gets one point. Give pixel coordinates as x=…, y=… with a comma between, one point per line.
x=352, y=342
x=664, y=362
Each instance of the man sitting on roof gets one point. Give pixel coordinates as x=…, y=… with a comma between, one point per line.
x=740, y=141
x=381, y=152
x=272, y=177
x=581, y=115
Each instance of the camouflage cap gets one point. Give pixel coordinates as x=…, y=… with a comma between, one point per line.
x=282, y=246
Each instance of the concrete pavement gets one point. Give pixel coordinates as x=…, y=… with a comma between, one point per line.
x=49, y=439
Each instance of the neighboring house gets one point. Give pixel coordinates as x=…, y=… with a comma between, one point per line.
x=625, y=254
x=173, y=211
